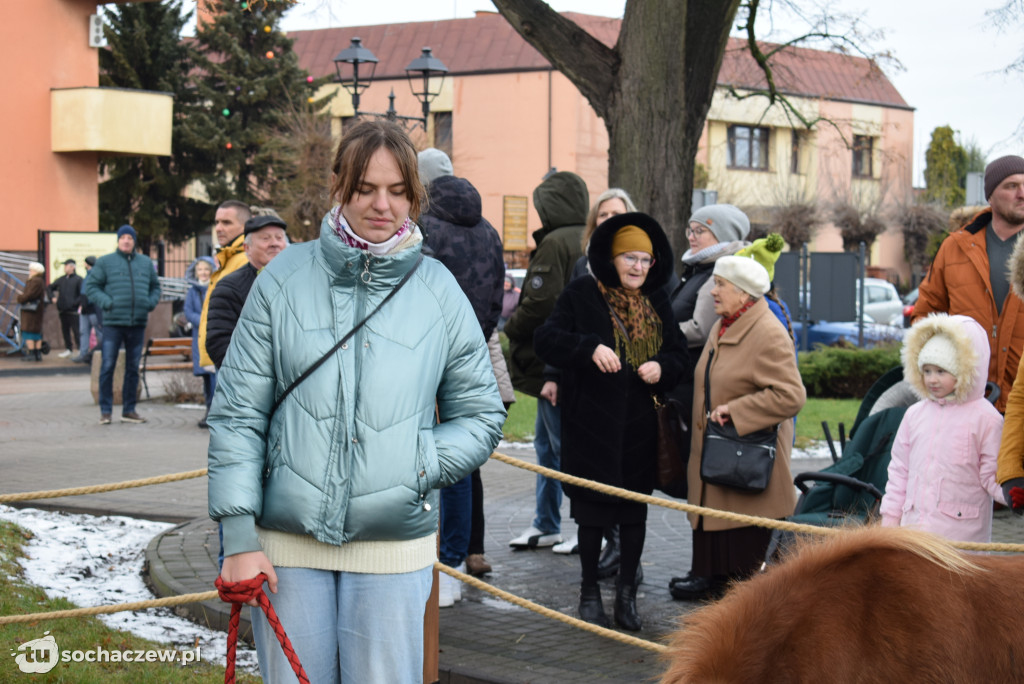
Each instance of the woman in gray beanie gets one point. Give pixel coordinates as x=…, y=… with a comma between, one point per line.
x=714, y=232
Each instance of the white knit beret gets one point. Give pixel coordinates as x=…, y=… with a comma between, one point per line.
x=939, y=351
x=745, y=273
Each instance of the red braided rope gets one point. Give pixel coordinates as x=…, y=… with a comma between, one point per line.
x=237, y=593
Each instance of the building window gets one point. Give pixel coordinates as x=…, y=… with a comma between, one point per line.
x=748, y=147
x=863, y=149
x=796, y=142
x=443, y=132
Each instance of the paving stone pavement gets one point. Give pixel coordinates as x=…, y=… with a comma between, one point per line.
x=51, y=439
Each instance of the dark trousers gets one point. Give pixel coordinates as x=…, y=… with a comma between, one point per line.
x=476, y=531
x=69, y=328
x=113, y=337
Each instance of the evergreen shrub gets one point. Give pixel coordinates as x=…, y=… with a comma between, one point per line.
x=845, y=371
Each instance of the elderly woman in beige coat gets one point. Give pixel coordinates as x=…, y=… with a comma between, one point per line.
x=755, y=385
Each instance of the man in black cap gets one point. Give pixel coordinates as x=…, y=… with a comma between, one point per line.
x=89, y=319
x=264, y=239
x=969, y=274
x=64, y=293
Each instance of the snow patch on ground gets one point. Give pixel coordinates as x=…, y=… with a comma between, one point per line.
x=97, y=561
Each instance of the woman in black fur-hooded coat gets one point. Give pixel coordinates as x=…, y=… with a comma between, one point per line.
x=614, y=338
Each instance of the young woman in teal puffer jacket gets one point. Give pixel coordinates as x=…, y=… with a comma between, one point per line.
x=333, y=496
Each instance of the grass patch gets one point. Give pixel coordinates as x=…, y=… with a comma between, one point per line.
x=834, y=411
x=519, y=426
x=522, y=419
x=80, y=634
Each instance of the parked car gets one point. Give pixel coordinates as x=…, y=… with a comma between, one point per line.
x=882, y=303
x=909, y=300
x=831, y=333
x=517, y=274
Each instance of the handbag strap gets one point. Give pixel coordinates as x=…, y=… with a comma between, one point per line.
x=707, y=384
x=343, y=340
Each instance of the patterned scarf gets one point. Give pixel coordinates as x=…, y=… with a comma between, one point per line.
x=637, y=326
x=343, y=231
x=729, y=320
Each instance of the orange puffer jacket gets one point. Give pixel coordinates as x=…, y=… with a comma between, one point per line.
x=958, y=283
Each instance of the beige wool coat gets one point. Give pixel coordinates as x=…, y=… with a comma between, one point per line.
x=754, y=371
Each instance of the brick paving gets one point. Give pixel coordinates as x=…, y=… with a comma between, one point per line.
x=52, y=439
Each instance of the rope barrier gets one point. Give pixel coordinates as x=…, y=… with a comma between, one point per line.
x=549, y=613
x=714, y=513
x=117, y=608
x=467, y=579
x=95, y=489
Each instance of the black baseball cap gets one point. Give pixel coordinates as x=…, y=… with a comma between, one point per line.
x=261, y=222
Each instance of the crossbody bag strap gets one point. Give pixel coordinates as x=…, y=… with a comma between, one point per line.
x=343, y=340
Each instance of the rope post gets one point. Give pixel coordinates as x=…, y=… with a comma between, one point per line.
x=432, y=632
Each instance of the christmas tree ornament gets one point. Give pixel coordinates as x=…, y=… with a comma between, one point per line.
x=226, y=111
x=266, y=29
x=309, y=79
x=228, y=146
x=270, y=54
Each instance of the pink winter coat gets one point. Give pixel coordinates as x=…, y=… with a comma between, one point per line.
x=942, y=476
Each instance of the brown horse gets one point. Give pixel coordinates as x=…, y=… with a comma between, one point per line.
x=868, y=605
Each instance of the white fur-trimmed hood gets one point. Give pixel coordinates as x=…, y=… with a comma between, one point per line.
x=972, y=353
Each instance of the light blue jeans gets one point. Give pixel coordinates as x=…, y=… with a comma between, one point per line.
x=345, y=626
x=547, y=442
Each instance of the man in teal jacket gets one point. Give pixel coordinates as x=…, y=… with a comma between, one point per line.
x=124, y=286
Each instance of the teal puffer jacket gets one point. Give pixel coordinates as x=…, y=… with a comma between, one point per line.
x=125, y=287
x=354, y=453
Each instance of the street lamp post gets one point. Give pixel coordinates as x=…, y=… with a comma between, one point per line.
x=419, y=72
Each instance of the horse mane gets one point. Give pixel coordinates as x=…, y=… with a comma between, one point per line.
x=848, y=588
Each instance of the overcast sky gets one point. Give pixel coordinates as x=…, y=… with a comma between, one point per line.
x=952, y=55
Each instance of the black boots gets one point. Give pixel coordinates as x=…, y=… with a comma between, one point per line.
x=33, y=355
x=696, y=588
x=608, y=565
x=591, y=608
x=625, y=607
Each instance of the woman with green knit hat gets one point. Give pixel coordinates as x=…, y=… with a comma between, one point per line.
x=766, y=252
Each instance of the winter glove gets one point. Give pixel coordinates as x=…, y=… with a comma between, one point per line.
x=1013, y=492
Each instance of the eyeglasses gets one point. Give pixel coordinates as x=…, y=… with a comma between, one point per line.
x=631, y=261
x=695, y=232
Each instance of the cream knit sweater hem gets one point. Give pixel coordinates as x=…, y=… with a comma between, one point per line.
x=374, y=557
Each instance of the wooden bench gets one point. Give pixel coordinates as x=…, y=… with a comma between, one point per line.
x=165, y=348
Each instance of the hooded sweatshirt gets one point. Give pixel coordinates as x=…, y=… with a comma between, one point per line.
x=942, y=476
x=460, y=237
x=562, y=202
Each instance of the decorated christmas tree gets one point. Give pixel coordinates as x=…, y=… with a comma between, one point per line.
x=144, y=50
x=248, y=79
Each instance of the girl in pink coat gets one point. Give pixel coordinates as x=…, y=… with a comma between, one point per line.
x=942, y=476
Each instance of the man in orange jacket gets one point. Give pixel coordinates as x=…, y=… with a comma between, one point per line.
x=969, y=274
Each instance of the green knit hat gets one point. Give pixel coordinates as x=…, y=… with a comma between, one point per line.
x=765, y=251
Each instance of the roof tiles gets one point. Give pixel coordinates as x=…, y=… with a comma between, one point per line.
x=487, y=43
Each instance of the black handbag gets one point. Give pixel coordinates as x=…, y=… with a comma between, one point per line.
x=729, y=460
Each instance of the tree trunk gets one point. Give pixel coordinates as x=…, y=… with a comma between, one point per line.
x=653, y=90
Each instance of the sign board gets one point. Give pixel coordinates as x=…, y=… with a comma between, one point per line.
x=513, y=224
x=60, y=246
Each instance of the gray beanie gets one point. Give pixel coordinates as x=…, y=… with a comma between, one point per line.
x=433, y=164
x=997, y=171
x=726, y=222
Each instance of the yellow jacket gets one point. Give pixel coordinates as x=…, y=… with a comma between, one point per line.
x=230, y=259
